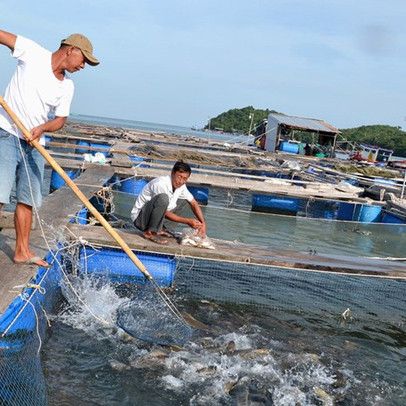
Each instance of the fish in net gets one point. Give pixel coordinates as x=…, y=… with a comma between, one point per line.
x=147, y=317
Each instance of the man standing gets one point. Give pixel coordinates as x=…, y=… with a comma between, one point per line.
x=38, y=87
x=163, y=201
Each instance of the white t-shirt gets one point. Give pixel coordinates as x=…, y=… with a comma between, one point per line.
x=34, y=91
x=162, y=184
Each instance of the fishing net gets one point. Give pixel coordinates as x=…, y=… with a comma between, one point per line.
x=150, y=315
x=309, y=292
x=22, y=332
x=145, y=315
x=148, y=318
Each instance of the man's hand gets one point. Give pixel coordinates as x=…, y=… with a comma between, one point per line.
x=197, y=225
x=50, y=126
x=36, y=132
x=193, y=223
x=202, y=229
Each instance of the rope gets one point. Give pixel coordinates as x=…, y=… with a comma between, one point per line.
x=36, y=324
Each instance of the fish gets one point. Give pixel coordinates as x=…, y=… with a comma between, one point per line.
x=119, y=366
x=193, y=322
x=153, y=359
x=248, y=353
x=209, y=370
x=323, y=396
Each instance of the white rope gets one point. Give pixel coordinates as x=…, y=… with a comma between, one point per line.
x=37, y=322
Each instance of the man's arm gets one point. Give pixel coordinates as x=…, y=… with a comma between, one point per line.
x=198, y=213
x=50, y=126
x=8, y=39
x=199, y=224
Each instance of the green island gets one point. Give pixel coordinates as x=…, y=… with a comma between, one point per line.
x=245, y=120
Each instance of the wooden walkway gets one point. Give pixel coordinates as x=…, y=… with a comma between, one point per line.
x=56, y=211
x=244, y=253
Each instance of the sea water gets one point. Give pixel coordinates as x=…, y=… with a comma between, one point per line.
x=244, y=356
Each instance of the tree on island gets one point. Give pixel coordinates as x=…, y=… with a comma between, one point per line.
x=239, y=120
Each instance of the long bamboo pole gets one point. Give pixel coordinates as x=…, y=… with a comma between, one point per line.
x=75, y=190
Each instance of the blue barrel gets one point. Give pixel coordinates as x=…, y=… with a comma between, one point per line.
x=321, y=209
x=57, y=181
x=132, y=186
x=104, y=146
x=137, y=159
x=201, y=194
x=275, y=204
x=82, y=150
x=80, y=217
x=392, y=219
x=346, y=211
x=368, y=213
x=119, y=267
x=47, y=139
x=290, y=147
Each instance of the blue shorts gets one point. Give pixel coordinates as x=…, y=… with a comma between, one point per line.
x=13, y=168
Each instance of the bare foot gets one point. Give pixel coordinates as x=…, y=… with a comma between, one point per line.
x=34, y=260
x=154, y=237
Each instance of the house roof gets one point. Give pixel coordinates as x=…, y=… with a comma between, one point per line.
x=304, y=123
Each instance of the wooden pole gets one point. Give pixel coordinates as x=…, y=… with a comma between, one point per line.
x=27, y=135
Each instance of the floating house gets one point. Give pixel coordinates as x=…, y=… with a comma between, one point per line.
x=281, y=133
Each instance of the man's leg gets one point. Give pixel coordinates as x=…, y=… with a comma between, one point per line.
x=181, y=209
x=29, y=187
x=23, y=223
x=8, y=165
x=151, y=217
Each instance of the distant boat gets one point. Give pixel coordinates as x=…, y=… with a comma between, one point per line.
x=372, y=154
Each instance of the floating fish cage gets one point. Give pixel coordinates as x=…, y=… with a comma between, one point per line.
x=323, y=209
x=327, y=294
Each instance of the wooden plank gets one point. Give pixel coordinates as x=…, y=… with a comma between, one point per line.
x=88, y=182
x=244, y=253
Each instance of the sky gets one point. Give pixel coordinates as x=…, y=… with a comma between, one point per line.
x=182, y=61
